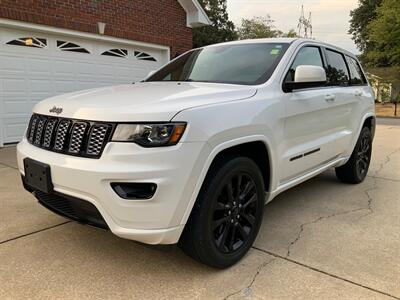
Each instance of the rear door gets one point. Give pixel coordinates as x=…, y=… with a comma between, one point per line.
x=345, y=108
x=361, y=94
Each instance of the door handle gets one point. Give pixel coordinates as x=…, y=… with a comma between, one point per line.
x=330, y=97
x=358, y=93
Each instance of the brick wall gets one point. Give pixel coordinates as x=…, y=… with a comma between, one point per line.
x=154, y=21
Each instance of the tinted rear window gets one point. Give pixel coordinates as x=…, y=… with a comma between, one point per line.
x=337, y=73
x=356, y=74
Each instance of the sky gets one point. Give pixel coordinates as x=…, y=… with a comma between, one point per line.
x=330, y=18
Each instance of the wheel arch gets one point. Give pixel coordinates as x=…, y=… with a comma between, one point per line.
x=256, y=151
x=369, y=120
x=239, y=146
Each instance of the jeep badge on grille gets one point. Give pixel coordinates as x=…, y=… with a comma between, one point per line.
x=56, y=110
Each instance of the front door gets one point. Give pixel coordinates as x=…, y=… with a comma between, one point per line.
x=310, y=130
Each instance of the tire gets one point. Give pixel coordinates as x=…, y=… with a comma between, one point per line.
x=222, y=228
x=356, y=169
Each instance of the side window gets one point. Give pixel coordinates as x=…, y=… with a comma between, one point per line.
x=29, y=42
x=68, y=46
x=144, y=56
x=309, y=55
x=336, y=73
x=356, y=74
x=116, y=52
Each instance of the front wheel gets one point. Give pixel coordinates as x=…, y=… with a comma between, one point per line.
x=356, y=169
x=227, y=215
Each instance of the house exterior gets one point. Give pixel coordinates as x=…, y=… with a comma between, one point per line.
x=382, y=90
x=50, y=47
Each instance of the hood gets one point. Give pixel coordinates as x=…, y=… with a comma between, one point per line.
x=145, y=101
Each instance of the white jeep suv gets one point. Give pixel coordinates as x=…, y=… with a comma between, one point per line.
x=191, y=154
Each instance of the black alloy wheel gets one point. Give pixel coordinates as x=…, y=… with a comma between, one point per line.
x=363, y=155
x=234, y=214
x=228, y=212
x=356, y=168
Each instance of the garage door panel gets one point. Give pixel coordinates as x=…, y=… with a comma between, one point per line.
x=14, y=127
x=63, y=67
x=41, y=86
x=85, y=68
x=14, y=107
x=12, y=65
x=15, y=102
x=87, y=77
x=40, y=66
x=64, y=86
x=104, y=70
x=29, y=75
x=35, y=98
x=123, y=71
x=14, y=85
x=90, y=84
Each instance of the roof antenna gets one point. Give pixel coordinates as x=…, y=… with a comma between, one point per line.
x=305, y=26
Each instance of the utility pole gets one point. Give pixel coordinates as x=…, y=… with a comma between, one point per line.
x=305, y=25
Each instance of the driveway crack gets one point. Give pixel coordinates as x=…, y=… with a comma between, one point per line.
x=248, y=289
x=302, y=226
x=8, y=166
x=368, y=208
x=386, y=161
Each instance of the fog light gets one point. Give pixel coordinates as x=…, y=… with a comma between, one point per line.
x=134, y=191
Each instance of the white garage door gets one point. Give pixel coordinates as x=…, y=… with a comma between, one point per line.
x=35, y=66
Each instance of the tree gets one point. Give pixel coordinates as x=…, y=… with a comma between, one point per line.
x=257, y=28
x=290, y=34
x=261, y=27
x=360, y=18
x=385, y=35
x=221, y=30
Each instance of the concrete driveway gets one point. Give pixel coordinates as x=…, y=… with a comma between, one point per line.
x=320, y=240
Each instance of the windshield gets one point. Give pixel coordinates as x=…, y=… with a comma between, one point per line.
x=236, y=64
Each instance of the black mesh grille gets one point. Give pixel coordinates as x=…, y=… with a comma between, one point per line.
x=76, y=141
x=61, y=134
x=32, y=128
x=39, y=131
x=72, y=208
x=73, y=137
x=97, y=136
x=48, y=134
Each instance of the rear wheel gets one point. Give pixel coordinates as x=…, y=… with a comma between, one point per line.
x=356, y=169
x=227, y=215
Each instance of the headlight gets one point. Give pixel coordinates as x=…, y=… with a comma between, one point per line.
x=150, y=135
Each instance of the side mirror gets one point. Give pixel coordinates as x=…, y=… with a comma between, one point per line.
x=306, y=77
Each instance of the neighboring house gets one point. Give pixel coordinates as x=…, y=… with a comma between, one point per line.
x=382, y=89
x=56, y=46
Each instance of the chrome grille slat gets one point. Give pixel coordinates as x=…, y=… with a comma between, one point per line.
x=67, y=136
x=39, y=131
x=48, y=133
x=32, y=128
x=61, y=135
x=97, y=136
x=77, y=135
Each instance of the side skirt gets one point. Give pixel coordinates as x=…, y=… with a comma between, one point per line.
x=297, y=180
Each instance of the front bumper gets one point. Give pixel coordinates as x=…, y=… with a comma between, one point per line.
x=154, y=221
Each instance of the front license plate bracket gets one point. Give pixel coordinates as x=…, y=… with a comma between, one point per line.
x=38, y=175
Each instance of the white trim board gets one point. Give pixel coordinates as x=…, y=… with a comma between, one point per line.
x=195, y=15
x=68, y=32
